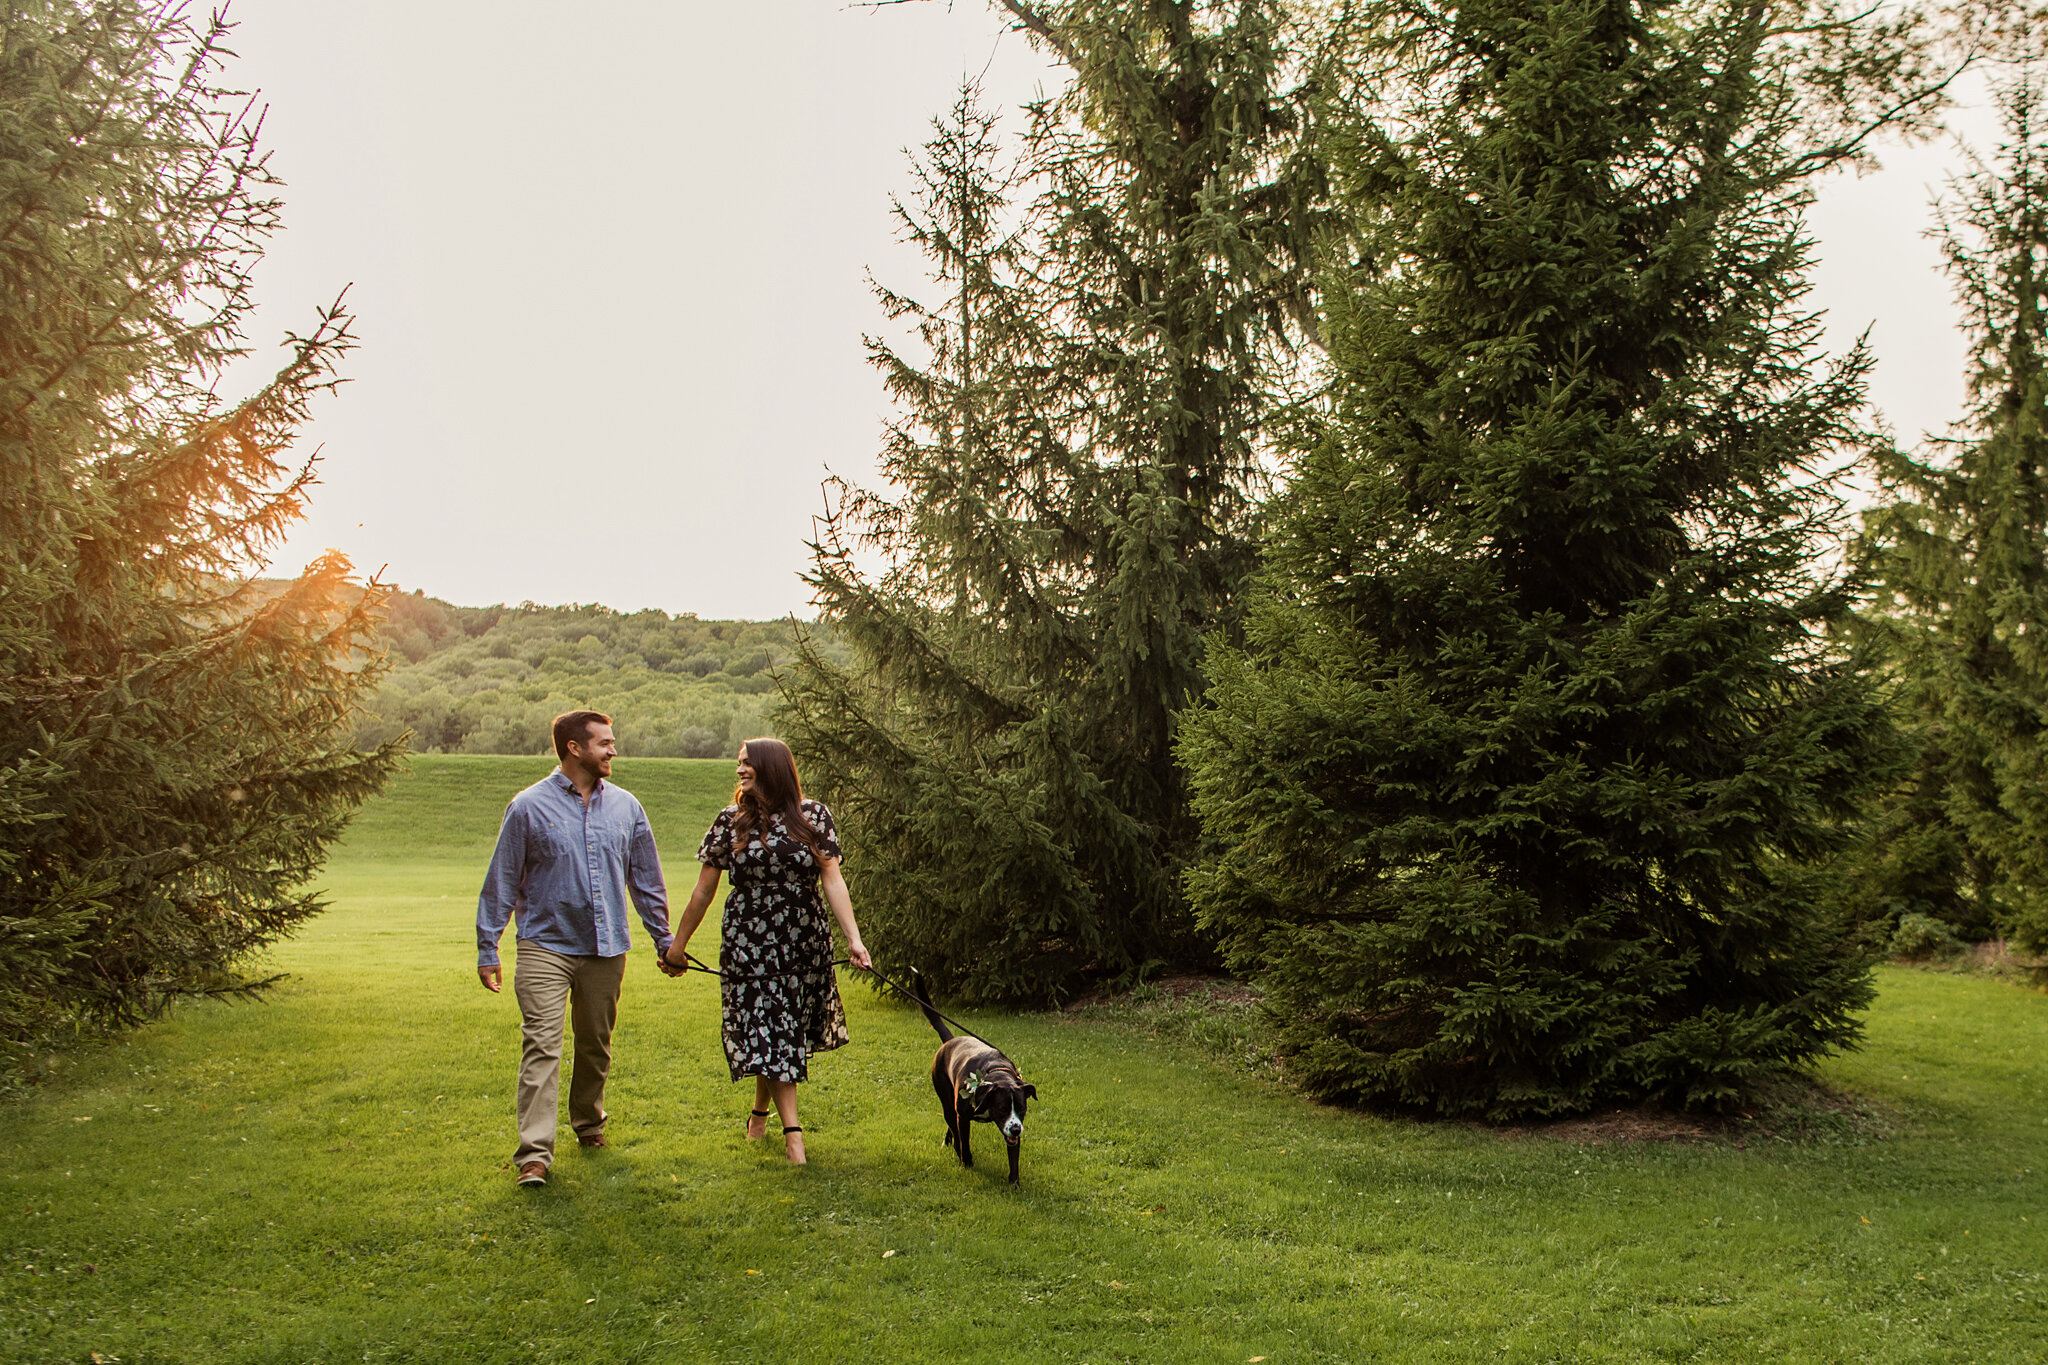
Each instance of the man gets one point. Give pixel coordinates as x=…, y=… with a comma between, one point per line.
x=572, y=849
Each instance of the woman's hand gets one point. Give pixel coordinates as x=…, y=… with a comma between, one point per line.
x=858, y=956
x=675, y=960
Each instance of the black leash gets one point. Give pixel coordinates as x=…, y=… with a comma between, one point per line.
x=693, y=965
x=917, y=999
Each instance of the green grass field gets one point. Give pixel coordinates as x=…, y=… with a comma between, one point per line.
x=322, y=1177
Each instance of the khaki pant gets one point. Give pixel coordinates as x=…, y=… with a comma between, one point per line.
x=544, y=982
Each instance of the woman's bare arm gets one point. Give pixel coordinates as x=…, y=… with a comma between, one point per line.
x=692, y=916
x=842, y=910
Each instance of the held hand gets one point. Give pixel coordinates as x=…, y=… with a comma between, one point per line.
x=493, y=977
x=858, y=956
x=676, y=960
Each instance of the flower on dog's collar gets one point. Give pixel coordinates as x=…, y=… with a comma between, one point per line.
x=971, y=1083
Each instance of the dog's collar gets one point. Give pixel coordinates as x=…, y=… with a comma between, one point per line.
x=982, y=1077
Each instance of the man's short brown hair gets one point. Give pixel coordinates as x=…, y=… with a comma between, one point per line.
x=574, y=727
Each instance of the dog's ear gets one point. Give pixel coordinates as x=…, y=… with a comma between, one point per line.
x=1030, y=1092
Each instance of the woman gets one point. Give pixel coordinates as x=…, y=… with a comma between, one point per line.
x=781, y=1002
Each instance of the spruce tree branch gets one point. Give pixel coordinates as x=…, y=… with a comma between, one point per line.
x=1844, y=24
x=1851, y=147
x=1032, y=20
x=1028, y=18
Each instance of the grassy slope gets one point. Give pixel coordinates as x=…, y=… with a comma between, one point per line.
x=487, y=680
x=321, y=1178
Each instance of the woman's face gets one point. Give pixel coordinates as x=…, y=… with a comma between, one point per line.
x=746, y=771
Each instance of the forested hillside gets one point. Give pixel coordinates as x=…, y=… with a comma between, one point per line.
x=487, y=680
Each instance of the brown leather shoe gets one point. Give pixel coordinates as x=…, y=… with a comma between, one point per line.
x=533, y=1173
x=591, y=1140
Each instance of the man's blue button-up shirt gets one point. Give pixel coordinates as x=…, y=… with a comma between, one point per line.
x=565, y=868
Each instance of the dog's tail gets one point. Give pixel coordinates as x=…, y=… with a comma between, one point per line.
x=924, y=1001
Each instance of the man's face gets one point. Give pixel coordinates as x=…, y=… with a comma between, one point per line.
x=596, y=752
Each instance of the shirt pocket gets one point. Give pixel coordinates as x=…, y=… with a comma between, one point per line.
x=551, y=842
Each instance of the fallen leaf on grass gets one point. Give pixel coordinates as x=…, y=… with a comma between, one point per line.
x=1255, y=1360
x=753, y=1272
x=590, y=1300
x=887, y=1254
x=83, y=1118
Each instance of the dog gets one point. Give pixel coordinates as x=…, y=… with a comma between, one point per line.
x=976, y=1084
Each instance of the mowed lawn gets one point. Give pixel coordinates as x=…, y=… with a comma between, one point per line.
x=323, y=1177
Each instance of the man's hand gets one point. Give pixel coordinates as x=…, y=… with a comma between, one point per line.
x=493, y=977
x=667, y=968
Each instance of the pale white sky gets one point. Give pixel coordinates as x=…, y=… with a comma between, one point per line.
x=608, y=261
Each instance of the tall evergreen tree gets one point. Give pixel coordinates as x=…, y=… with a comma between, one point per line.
x=173, y=739
x=1072, y=496
x=1961, y=551
x=1518, y=783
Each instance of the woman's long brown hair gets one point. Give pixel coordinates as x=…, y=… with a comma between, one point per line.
x=777, y=791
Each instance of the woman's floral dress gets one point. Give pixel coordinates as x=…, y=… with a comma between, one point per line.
x=780, y=996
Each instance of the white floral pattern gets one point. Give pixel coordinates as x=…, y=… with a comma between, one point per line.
x=780, y=997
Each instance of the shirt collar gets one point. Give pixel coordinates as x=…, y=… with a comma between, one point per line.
x=561, y=780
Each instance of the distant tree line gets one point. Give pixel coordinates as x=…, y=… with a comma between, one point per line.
x=488, y=680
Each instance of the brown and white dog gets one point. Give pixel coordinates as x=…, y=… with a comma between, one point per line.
x=976, y=1084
